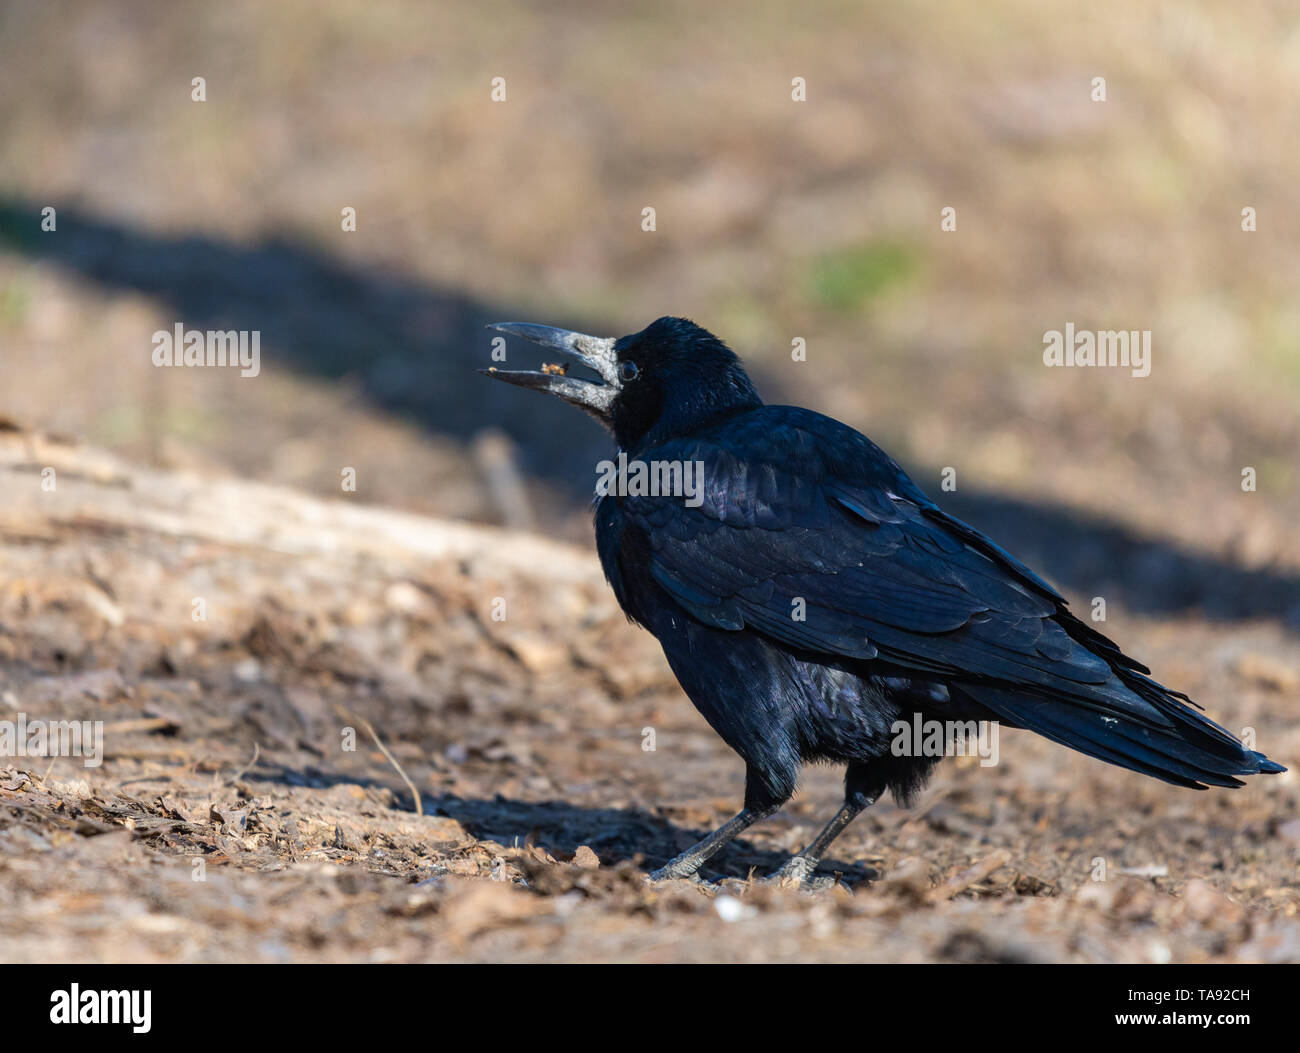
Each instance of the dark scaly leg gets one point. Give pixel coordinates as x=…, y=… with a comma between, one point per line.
x=861, y=791
x=759, y=804
x=694, y=857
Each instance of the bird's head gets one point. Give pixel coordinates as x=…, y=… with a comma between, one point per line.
x=671, y=377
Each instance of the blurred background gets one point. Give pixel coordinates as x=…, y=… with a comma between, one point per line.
x=775, y=220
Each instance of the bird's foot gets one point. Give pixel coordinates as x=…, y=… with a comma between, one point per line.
x=798, y=873
x=678, y=869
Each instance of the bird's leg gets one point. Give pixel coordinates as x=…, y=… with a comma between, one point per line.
x=694, y=857
x=799, y=869
x=760, y=802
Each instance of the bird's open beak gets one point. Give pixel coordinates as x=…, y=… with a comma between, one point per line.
x=595, y=352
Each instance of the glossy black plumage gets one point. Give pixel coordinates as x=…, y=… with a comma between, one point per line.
x=905, y=609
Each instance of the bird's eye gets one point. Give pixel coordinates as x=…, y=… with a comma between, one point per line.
x=628, y=371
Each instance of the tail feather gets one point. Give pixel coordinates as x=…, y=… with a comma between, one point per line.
x=1176, y=743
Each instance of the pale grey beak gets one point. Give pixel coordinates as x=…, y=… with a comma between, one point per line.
x=595, y=352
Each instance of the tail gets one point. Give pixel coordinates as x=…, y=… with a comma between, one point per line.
x=1139, y=725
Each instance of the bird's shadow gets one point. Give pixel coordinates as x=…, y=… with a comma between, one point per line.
x=616, y=835
x=413, y=349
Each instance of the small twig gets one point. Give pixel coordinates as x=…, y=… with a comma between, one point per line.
x=147, y=724
x=419, y=808
x=972, y=876
x=218, y=781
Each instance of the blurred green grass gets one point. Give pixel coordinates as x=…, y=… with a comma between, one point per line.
x=848, y=279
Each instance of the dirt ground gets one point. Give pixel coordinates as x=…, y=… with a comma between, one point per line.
x=230, y=821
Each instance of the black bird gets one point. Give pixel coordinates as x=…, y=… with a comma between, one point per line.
x=809, y=595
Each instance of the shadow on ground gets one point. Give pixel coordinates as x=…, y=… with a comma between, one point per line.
x=414, y=350
x=615, y=834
